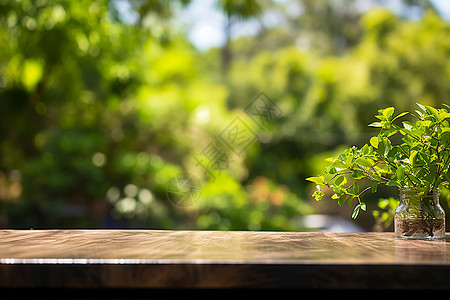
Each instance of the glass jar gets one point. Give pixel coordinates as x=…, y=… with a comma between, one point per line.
x=419, y=214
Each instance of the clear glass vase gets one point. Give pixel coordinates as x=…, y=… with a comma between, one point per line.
x=419, y=214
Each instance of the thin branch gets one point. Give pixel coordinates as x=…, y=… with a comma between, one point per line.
x=370, y=175
x=364, y=190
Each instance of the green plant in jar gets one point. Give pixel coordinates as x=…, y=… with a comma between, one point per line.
x=404, y=154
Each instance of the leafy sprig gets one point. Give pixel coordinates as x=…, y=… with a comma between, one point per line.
x=420, y=160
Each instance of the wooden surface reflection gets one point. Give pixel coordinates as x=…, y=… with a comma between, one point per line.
x=198, y=259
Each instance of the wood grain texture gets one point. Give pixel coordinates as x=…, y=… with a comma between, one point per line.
x=219, y=259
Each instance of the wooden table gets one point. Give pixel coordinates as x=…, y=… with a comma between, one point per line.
x=163, y=259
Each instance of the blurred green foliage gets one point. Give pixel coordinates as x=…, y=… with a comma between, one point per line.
x=100, y=113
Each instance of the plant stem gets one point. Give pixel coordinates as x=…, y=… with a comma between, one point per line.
x=370, y=175
x=364, y=190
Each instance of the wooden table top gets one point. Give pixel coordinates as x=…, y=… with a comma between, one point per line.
x=219, y=259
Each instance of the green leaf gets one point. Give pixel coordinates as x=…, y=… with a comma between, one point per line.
x=356, y=211
x=374, y=187
x=412, y=157
x=363, y=206
x=400, y=115
x=426, y=123
x=350, y=201
x=366, y=149
x=400, y=173
x=444, y=115
x=393, y=183
x=445, y=135
x=365, y=162
x=381, y=147
x=433, y=111
x=374, y=142
x=422, y=107
x=358, y=175
x=357, y=208
x=317, y=180
x=408, y=125
x=387, y=112
x=339, y=164
x=340, y=181
x=420, y=114
x=342, y=199
x=375, y=124
x=349, y=160
x=354, y=189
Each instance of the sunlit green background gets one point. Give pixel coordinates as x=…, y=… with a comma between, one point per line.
x=106, y=106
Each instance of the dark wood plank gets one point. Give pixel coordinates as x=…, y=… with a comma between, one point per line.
x=219, y=259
